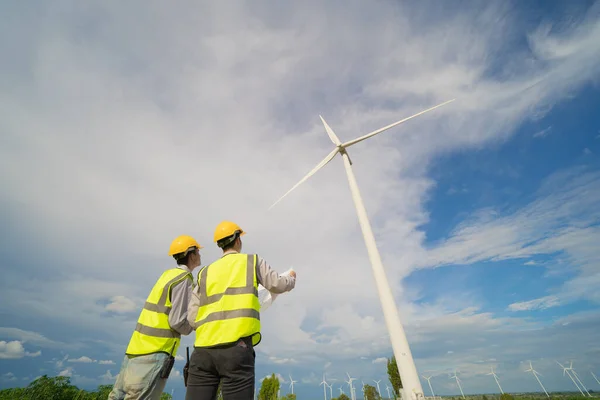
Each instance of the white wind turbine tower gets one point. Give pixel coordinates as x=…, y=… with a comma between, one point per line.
x=535, y=373
x=388, y=390
x=566, y=371
x=458, y=383
x=577, y=377
x=404, y=359
x=324, y=387
x=378, y=391
x=341, y=390
x=496, y=378
x=349, y=382
x=428, y=378
x=595, y=377
x=292, y=383
x=330, y=391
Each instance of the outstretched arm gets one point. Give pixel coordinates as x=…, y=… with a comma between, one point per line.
x=271, y=280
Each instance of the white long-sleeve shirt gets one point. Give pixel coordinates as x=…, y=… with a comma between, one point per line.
x=180, y=298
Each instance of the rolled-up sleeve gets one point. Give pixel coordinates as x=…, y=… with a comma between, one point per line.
x=178, y=317
x=271, y=280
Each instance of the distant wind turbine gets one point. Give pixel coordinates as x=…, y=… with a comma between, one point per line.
x=428, y=378
x=330, y=391
x=324, y=387
x=406, y=365
x=388, y=390
x=496, y=378
x=378, y=391
x=577, y=377
x=341, y=390
x=292, y=383
x=458, y=383
x=535, y=373
x=566, y=371
x=349, y=382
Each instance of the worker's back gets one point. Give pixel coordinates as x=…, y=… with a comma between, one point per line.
x=228, y=306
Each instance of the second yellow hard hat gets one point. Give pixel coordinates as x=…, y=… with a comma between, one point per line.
x=227, y=228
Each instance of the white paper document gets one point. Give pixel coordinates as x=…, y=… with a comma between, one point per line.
x=267, y=298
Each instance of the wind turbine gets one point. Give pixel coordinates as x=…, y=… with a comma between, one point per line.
x=496, y=378
x=324, y=387
x=402, y=353
x=595, y=377
x=458, y=383
x=349, y=382
x=341, y=390
x=330, y=391
x=292, y=383
x=388, y=390
x=378, y=391
x=429, y=382
x=566, y=371
x=535, y=373
x=577, y=377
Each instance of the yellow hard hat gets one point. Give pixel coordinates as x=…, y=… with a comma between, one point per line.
x=182, y=243
x=227, y=228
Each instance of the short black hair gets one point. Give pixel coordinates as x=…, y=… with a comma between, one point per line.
x=183, y=258
x=229, y=240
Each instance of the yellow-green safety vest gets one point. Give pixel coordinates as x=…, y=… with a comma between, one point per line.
x=229, y=307
x=153, y=334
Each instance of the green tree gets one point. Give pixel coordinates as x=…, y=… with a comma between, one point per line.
x=394, y=375
x=343, y=397
x=507, y=396
x=371, y=393
x=269, y=388
x=289, y=396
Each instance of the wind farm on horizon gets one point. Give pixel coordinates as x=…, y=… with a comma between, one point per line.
x=348, y=389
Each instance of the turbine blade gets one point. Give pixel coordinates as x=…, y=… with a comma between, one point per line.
x=311, y=173
x=330, y=132
x=385, y=128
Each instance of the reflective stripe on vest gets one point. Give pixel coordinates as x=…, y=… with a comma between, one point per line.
x=153, y=333
x=229, y=307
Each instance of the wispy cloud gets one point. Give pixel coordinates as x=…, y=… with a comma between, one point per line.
x=562, y=220
x=544, y=132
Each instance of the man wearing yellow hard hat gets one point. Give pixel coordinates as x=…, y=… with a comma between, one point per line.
x=151, y=351
x=225, y=311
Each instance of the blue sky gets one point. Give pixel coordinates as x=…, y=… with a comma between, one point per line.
x=122, y=128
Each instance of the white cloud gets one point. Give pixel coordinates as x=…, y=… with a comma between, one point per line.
x=379, y=360
x=108, y=377
x=106, y=362
x=537, y=304
x=179, y=358
x=561, y=220
x=15, y=350
x=67, y=372
x=82, y=359
x=8, y=377
x=544, y=132
x=121, y=304
x=144, y=144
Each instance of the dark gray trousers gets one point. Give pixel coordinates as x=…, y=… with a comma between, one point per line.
x=233, y=365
